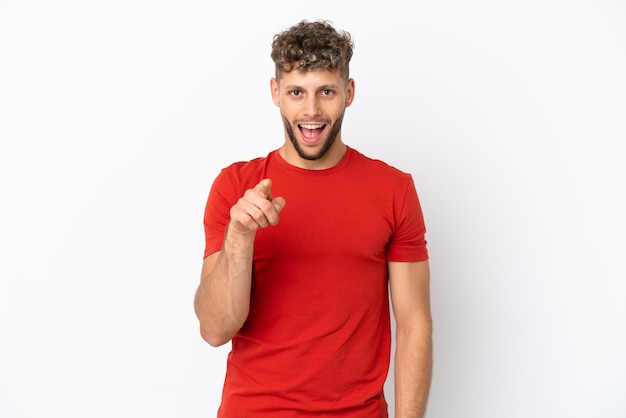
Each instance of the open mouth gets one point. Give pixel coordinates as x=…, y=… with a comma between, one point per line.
x=311, y=132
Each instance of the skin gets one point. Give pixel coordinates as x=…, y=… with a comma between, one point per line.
x=313, y=99
x=410, y=298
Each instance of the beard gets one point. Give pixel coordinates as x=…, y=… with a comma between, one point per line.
x=328, y=142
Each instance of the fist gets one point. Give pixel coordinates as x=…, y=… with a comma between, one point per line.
x=256, y=209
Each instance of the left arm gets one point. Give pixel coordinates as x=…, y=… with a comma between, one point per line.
x=410, y=297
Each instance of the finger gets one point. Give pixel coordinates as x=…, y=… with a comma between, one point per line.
x=279, y=203
x=265, y=188
x=250, y=215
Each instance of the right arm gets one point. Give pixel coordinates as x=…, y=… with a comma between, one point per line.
x=222, y=300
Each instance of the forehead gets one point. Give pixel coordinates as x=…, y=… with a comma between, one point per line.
x=311, y=79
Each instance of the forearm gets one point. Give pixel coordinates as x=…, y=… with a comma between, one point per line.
x=413, y=372
x=223, y=298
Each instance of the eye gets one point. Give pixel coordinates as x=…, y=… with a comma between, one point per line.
x=295, y=93
x=327, y=92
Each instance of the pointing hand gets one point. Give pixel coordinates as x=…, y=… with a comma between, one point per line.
x=256, y=209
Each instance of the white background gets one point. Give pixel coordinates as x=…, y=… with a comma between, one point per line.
x=115, y=116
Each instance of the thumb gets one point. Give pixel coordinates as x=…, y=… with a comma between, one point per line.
x=279, y=203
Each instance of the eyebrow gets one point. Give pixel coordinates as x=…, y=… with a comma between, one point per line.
x=324, y=87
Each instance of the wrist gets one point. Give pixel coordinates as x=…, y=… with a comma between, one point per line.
x=236, y=240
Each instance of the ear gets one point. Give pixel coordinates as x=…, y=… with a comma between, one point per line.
x=274, y=88
x=350, y=92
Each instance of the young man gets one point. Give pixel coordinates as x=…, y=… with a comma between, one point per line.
x=301, y=248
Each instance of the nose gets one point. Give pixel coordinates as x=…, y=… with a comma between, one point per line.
x=312, y=107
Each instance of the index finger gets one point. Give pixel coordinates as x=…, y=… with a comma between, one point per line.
x=265, y=188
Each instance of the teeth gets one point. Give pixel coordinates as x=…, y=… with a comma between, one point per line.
x=312, y=126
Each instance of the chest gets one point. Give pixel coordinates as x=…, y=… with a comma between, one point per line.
x=325, y=219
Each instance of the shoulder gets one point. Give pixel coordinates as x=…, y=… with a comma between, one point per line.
x=376, y=168
x=251, y=170
x=239, y=176
x=245, y=167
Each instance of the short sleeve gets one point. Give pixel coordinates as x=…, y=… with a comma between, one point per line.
x=408, y=242
x=217, y=212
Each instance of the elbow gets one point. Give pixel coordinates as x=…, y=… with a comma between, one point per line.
x=215, y=341
x=218, y=334
x=417, y=330
x=214, y=338
x=218, y=329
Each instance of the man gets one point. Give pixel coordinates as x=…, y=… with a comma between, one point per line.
x=301, y=248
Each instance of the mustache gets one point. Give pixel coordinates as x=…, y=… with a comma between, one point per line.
x=324, y=121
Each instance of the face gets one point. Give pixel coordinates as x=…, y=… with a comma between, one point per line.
x=312, y=105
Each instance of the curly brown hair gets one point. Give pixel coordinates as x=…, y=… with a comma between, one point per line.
x=311, y=46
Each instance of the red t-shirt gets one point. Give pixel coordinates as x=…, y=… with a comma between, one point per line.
x=317, y=339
